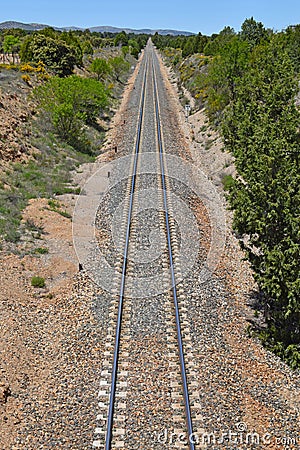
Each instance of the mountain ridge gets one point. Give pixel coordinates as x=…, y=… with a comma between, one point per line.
x=97, y=29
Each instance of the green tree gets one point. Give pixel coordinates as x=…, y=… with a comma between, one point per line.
x=125, y=50
x=121, y=39
x=189, y=48
x=157, y=40
x=134, y=47
x=261, y=128
x=216, y=43
x=119, y=66
x=101, y=68
x=253, y=32
x=87, y=48
x=11, y=44
x=74, y=44
x=26, y=53
x=71, y=102
x=48, y=32
x=223, y=75
x=291, y=40
x=200, y=42
x=56, y=55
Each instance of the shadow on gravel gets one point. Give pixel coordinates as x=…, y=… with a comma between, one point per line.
x=258, y=303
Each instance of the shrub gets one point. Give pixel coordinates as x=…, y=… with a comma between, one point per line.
x=57, y=55
x=55, y=206
x=39, y=69
x=38, y=282
x=26, y=78
x=120, y=66
x=101, y=68
x=70, y=103
x=41, y=250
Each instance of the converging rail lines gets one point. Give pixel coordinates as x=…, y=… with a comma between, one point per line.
x=150, y=67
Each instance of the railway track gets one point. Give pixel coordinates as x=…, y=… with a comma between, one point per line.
x=117, y=386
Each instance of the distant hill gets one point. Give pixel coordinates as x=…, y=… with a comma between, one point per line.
x=23, y=26
x=100, y=29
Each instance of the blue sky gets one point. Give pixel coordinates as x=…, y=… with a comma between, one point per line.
x=206, y=16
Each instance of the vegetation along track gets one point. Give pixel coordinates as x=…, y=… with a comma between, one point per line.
x=123, y=394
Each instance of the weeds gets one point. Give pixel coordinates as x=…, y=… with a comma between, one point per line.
x=38, y=282
x=41, y=250
x=31, y=226
x=209, y=143
x=48, y=174
x=54, y=205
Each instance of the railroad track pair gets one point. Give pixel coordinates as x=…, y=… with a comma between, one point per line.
x=112, y=395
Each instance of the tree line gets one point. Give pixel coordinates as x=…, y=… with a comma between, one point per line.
x=249, y=84
x=50, y=58
x=70, y=45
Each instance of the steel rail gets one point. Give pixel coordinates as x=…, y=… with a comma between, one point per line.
x=174, y=290
x=109, y=426
x=112, y=399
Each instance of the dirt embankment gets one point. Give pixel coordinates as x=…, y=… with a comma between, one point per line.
x=16, y=110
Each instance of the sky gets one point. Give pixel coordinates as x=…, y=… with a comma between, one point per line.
x=205, y=16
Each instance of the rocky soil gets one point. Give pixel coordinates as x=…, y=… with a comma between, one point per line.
x=15, y=114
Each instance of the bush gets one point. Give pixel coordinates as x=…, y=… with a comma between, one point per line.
x=70, y=103
x=26, y=78
x=120, y=66
x=101, y=68
x=261, y=129
x=55, y=206
x=43, y=176
x=38, y=69
x=59, y=57
x=38, y=282
x=41, y=250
